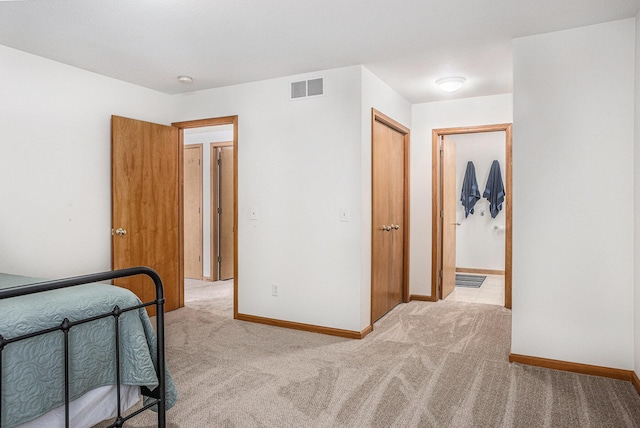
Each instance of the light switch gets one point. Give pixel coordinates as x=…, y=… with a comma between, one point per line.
x=344, y=214
x=253, y=215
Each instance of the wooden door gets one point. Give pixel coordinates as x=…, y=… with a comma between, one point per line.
x=226, y=212
x=193, y=211
x=388, y=199
x=146, y=203
x=449, y=201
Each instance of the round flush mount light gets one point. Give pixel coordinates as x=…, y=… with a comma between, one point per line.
x=450, y=84
x=185, y=79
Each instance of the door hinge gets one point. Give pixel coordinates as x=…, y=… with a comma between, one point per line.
x=219, y=161
x=113, y=232
x=198, y=161
x=219, y=210
x=440, y=273
x=198, y=210
x=441, y=213
x=199, y=258
x=219, y=259
x=441, y=153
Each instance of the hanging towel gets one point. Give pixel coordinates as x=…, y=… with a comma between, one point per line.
x=470, y=190
x=494, y=191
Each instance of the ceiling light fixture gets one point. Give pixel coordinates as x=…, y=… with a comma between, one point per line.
x=185, y=79
x=450, y=84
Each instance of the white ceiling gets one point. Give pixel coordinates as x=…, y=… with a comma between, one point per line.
x=407, y=43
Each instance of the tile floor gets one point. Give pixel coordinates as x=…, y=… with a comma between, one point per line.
x=490, y=292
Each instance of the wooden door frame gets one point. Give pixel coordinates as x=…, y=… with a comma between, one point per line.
x=386, y=120
x=436, y=203
x=226, y=120
x=215, y=202
x=200, y=225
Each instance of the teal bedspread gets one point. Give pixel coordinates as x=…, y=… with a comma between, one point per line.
x=33, y=369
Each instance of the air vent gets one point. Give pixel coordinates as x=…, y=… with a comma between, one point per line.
x=299, y=89
x=314, y=87
x=307, y=88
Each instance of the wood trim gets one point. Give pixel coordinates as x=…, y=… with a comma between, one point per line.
x=383, y=118
x=407, y=208
x=436, y=232
x=480, y=271
x=350, y=334
x=473, y=129
x=635, y=381
x=574, y=367
x=213, y=202
x=222, y=144
x=181, y=219
x=226, y=120
x=422, y=298
x=508, y=274
x=199, y=123
x=366, y=331
x=386, y=120
x=235, y=216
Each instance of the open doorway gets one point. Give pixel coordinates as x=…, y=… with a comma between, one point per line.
x=486, y=228
x=208, y=202
x=214, y=220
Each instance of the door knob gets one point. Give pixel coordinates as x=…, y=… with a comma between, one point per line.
x=120, y=231
x=396, y=226
x=386, y=228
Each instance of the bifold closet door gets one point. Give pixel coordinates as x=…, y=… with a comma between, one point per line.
x=388, y=171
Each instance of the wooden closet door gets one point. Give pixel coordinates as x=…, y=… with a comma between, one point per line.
x=193, y=211
x=396, y=216
x=388, y=218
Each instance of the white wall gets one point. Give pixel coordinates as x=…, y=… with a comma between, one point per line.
x=573, y=195
x=206, y=136
x=636, y=182
x=479, y=245
x=299, y=162
x=426, y=117
x=375, y=94
x=55, y=147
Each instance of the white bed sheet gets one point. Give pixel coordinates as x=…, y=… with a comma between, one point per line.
x=93, y=407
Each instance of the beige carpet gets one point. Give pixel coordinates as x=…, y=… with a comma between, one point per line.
x=425, y=365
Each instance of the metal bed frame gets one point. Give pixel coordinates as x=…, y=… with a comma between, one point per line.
x=158, y=394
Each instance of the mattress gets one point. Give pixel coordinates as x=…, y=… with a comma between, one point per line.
x=33, y=369
x=91, y=408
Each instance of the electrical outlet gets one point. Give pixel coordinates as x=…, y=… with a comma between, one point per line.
x=274, y=290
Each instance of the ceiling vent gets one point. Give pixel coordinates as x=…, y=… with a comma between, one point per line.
x=307, y=88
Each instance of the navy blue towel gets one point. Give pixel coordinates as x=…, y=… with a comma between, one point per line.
x=470, y=190
x=494, y=191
